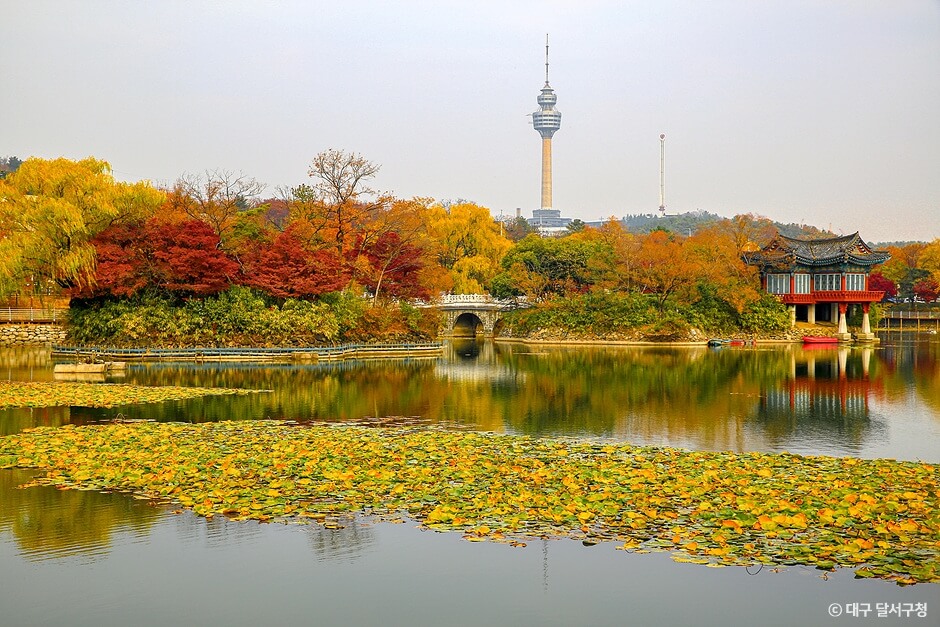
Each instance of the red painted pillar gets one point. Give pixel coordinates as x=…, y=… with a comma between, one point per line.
x=792, y=283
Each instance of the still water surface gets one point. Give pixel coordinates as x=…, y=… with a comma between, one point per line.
x=75, y=558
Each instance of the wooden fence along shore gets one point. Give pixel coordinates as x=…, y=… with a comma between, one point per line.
x=896, y=320
x=306, y=354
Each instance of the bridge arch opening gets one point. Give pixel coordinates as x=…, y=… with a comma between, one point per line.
x=468, y=325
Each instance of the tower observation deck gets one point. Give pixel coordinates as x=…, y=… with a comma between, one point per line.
x=546, y=121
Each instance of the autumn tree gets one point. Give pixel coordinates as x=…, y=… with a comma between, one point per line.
x=468, y=244
x=540, y=266
x=904, y=266
x=927, y=289
x=615, y=265
x=50, y=210
x=121, y=263
x=8, y=165
x=393, y=250
x=665, y=266
x=284, y=267
x=180, y=258
x=929, y=259
x=877, y=282
x=339, y=199
x=517, y=228
x=217, y=197
x=748, y=232
x=716, y=254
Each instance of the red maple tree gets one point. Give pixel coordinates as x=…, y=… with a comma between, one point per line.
x=877, y=282
x=285, y=268
x=178, y=257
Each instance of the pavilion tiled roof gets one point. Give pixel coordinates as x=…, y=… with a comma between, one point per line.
x=818, y=252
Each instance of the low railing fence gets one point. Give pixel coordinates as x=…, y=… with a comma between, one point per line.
x=932, y=314
x=23, y=314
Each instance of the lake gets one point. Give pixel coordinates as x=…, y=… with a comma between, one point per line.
x=77, y=558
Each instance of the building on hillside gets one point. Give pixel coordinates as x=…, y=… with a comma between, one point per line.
x=818, y=279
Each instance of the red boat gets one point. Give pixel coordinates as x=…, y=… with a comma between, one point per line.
x=820, y=339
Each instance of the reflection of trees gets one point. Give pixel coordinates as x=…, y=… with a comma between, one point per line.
x=908, y=360
x=49, y=523
x=647, y=394
x=345, y=544
x=321, y=392
x=26, y=363
x=725, y=399
x=14, y=420
x=217, y=531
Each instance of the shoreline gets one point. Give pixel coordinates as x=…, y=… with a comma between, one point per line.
x=687, y=343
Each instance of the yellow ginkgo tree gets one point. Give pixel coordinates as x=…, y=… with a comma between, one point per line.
x=49, y=212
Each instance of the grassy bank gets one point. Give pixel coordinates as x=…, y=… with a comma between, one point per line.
x=244, y=317
x=638, y=317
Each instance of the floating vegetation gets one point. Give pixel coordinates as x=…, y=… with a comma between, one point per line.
x=16, y=394
x=877, y=516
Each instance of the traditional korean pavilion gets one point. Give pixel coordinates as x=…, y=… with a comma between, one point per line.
x=819, y=278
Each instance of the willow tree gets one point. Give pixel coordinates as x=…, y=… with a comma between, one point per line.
x=49, y=212
x=469, y=245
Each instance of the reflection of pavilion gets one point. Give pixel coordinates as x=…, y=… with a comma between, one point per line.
x=826, y=390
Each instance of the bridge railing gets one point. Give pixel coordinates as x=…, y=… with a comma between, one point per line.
x=479, y=299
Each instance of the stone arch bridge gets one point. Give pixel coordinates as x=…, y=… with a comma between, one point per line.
x=470, y=315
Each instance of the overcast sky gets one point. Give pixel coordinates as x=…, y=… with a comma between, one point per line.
x=823, y=112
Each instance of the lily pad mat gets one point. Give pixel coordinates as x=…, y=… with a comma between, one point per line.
x=44, y=394
x=878, y=516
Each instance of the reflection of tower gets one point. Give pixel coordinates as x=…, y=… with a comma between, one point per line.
x=546, y=121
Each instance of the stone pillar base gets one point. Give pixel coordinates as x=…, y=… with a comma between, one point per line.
x=867, y=338
x=844, y=337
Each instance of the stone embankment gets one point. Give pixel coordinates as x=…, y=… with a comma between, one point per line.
x=31, y=334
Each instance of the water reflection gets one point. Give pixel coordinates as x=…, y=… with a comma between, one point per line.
x=881, y=401
x=826, y=396
x=353, y=538
x=49, y=524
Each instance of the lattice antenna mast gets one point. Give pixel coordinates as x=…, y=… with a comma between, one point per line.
x=546, y=58
x=662, y=174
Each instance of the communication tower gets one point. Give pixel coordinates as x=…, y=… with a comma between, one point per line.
x=546, y=121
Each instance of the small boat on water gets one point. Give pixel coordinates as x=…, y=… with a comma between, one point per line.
x=820, y=339
x=718, y=341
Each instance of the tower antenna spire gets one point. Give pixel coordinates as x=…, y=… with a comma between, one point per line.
x=546, y=58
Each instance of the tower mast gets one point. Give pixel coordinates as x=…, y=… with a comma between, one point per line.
x=546, y=58
x=662, y=174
